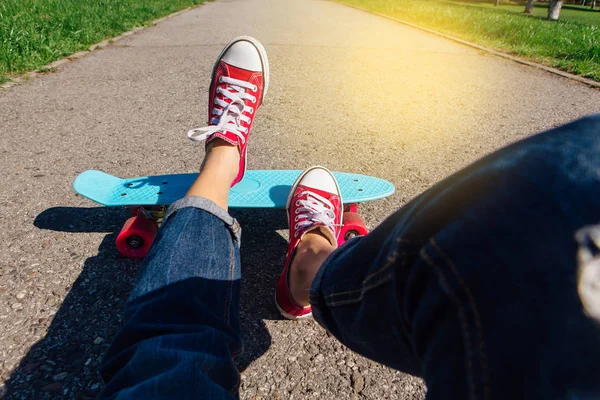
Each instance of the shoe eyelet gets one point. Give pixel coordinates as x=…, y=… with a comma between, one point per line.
x=251, y=110
x=296, y=226
x=296, y=219
x=221, y=79
x=297, y=204
x=253, y=100
x=297, y=211
x=255, y=88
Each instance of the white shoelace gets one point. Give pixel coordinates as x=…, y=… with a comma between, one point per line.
x=313, y=210
x=230, y=115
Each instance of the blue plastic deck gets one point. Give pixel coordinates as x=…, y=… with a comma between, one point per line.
x=258, y=189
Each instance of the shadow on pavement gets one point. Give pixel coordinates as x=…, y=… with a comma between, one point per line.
x=263, y=253
x=64, y=363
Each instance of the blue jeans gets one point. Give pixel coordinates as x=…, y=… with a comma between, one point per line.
x=475, y=286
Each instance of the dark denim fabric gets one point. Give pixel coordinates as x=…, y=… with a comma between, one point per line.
x=181, y=325
x=473, y=286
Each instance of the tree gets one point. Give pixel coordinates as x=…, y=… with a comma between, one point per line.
x=593, y=4
x=497, y=3
x=554, y=9
x=529, y=7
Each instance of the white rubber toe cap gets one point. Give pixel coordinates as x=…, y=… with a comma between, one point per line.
x=243, y=55
x=320, y=178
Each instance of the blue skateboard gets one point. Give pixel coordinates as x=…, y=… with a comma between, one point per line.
x=148, y=197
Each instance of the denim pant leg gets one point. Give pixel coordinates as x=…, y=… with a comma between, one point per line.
x=474, y=284
x=181, y=324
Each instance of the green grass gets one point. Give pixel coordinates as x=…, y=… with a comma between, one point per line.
x=570, y=13
x=571, y=44
x=36, y=32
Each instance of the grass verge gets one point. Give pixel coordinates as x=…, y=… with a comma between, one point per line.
x=571, y=44
x=34, y=33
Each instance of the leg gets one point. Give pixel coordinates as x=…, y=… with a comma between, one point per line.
x=474, y=284
x=311, y=253
x=218, y=169
x=181, y=324
x=314, y=209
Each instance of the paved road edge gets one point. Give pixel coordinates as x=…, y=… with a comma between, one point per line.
x=55, y=65
x=588, y=82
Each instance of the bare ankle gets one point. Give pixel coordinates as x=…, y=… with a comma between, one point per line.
x=226, y=151
x=221, y=158
x=219, y=169
x=312, y=251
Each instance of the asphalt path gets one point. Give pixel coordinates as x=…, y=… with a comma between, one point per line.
x=349, y=90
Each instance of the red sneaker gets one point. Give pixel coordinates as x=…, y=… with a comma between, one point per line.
x=239, y=83
x=314, y=203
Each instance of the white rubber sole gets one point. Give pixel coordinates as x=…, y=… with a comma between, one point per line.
x=287, y=315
